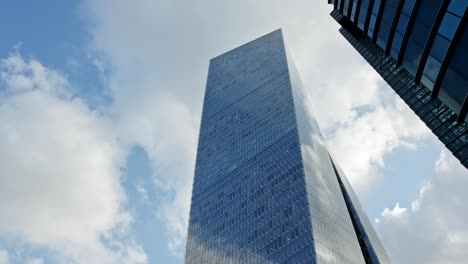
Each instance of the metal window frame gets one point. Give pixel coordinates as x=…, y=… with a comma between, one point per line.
x=358, y=11
x=378, y=19
x=430, y=39
x=350, y=8
x=370, y=6
x=409, y=29
x=463, y=111
x=449, y=55
x=393, y=27
x=341, y=6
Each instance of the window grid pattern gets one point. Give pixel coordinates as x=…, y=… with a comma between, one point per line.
x=386, y=22
x=346, y=7
x=264, y=189
x=435, y=113
x=249, y=202
x=401, y=27
x=454, y=86
x=373, y=18
x=419, y=33
x=353, y=10
x=440, y=45
x=363, y=14
x=334, y=237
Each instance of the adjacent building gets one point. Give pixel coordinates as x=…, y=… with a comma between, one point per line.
x=266, y=190
x=420, y=48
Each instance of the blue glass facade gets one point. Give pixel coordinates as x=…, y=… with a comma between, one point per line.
x=420, y=48
x=265, y=188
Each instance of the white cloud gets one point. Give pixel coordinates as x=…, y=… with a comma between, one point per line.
x=21, y=76
x=396, y=212
x=165, y=127
x=434, y=230
x=4, y=257
x=361, y=142
x=60, y=173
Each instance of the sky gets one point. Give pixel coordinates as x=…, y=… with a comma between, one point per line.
x=100, y=105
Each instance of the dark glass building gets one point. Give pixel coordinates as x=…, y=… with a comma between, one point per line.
x=420, y=48
x=266, y=190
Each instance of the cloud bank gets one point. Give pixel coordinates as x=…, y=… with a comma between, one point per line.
x=433, y=229
x=59, y=179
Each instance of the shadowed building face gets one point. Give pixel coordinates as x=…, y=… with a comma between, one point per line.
x=266, y=189
x=420, y=48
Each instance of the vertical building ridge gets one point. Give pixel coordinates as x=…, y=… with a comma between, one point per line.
x=369, y=242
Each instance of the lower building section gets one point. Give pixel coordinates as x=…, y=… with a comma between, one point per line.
x=371, y=247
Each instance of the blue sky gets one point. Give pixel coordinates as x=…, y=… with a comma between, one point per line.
x=100, y=104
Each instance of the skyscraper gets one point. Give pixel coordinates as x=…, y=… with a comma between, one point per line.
x=420, y=48
x=266, y=190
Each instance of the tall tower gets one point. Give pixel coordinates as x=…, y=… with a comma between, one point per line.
x=420, y=48
x=266, y=189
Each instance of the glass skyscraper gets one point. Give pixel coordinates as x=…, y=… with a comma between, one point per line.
x=420, y=48
x=266, y=190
